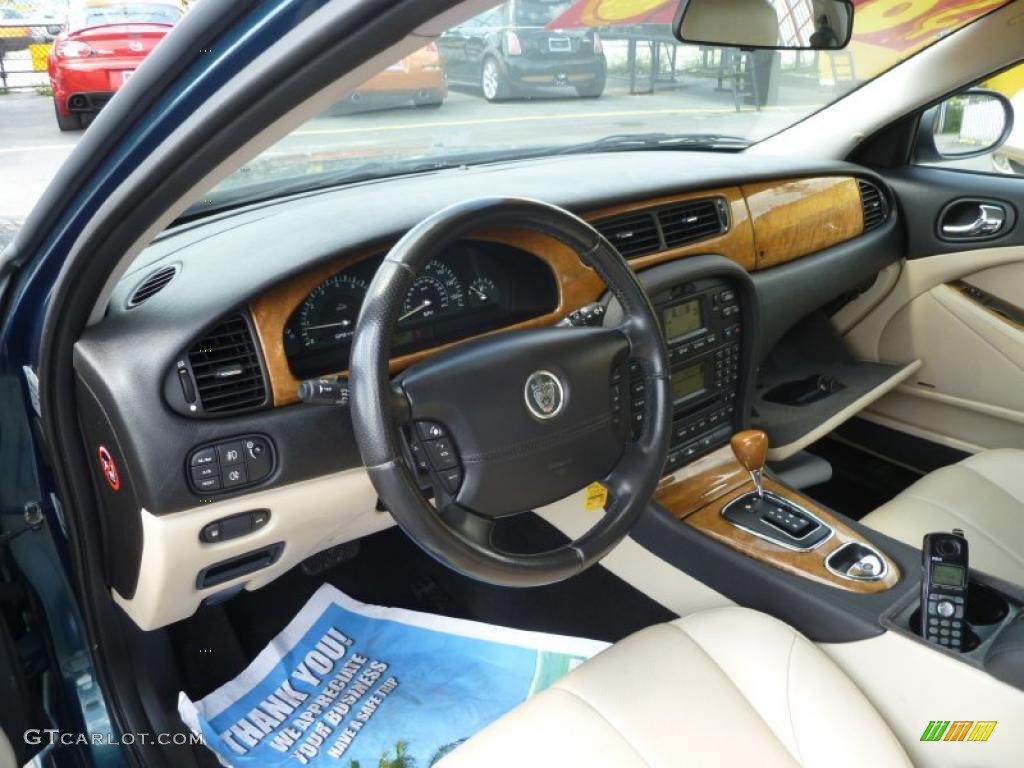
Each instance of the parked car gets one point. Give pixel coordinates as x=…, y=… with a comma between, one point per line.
x=101, y=46
x=417, y=78
x=1009, y=158
x=509, y=52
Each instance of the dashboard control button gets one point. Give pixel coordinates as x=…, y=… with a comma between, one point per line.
x=230, y=453
x=258, y=459
x=205, y=456
x=235, y=476
x=210, y=533
x=441, y=453
x=235, y=526
x=207, y=470
x=260, y=518
x=208, y=484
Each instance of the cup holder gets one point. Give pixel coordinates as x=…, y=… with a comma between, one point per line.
x=971, y=639
x=984, y=606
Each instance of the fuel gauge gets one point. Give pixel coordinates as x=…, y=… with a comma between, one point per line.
x=482, y=291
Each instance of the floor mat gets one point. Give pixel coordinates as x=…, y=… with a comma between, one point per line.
x=391, y=570
x=345, y=683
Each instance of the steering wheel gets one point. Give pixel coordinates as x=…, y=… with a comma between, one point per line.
x=511, y=421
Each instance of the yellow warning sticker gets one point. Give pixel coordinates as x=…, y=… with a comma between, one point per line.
x=596, y=496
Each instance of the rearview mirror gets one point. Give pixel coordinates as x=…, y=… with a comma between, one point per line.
x=967, y=124
x=809, y=25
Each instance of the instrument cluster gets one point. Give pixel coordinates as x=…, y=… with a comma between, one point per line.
x=474, y=287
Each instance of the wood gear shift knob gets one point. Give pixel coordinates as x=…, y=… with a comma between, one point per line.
x=751, y=449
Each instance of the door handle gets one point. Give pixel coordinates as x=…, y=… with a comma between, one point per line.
x=989, y=221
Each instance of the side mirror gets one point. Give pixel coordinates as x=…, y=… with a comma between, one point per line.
x=967, y=124
x=754, y=24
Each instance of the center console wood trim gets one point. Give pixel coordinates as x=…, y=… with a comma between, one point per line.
x=696, y=497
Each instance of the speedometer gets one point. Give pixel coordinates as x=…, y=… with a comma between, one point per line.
x=328, y=316
x=435, y=292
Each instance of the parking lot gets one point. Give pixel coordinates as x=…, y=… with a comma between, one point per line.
x=32, y=148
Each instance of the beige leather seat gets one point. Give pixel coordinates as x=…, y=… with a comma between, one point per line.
x=984, y=495
x=727, y=687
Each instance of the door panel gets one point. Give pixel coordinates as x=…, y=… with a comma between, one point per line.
x=969, y=392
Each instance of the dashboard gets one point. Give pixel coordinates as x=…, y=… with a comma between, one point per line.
x=253, y=302
x=477, y=286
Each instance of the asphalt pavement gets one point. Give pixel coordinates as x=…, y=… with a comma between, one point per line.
x=32, y=148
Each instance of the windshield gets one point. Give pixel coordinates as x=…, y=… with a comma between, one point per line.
x=124, y=13
x=539, y=13
x=539, y=77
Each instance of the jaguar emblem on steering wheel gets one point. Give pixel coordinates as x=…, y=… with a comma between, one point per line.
x=544, y=395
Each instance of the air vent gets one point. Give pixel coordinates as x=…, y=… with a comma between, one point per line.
x=634, y=235
x=874, y=204
x=691, y=221
x=152, y=285
x=227, y=369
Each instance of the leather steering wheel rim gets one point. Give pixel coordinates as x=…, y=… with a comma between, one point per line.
x=380, y=408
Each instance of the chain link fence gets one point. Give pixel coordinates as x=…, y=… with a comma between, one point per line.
x=27, y=30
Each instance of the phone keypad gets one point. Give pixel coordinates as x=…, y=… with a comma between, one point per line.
x=944, y=622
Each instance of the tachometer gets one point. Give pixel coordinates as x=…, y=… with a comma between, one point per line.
x=436, y=291
x=328, y=316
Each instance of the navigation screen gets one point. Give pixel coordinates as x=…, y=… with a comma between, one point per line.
x=687, y=381
x=682, y=319
x=947, y=575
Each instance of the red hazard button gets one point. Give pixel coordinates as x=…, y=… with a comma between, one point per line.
x=109, y=468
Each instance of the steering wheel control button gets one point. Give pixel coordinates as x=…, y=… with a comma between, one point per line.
x=441, y=454
x=544, y=394
x=232, y=464
x=430, y=430
x=230, y=453
x=452, y=479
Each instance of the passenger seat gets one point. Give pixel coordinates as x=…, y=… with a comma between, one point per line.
x=983, y=495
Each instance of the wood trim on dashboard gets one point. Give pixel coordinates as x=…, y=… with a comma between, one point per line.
x=797, y=217
x=769, y=223
x=696, y=497
x=578, y=285
x=736, y=243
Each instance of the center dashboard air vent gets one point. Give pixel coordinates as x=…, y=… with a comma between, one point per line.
x=153, y=283
x=874, y=204
x=226, y=368
x=670, y=226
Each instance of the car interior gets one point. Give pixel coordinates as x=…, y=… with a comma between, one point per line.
x=781, y=369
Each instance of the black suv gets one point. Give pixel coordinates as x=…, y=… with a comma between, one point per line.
x=509, y=51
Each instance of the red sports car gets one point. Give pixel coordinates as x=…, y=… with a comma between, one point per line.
x=101, y=45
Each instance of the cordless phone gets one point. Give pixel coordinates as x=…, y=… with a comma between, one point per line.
x=944, y=588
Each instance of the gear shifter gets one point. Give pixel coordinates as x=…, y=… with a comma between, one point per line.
x=766, y=514
x=751, y=450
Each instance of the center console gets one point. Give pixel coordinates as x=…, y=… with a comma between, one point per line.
x=702, y=321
